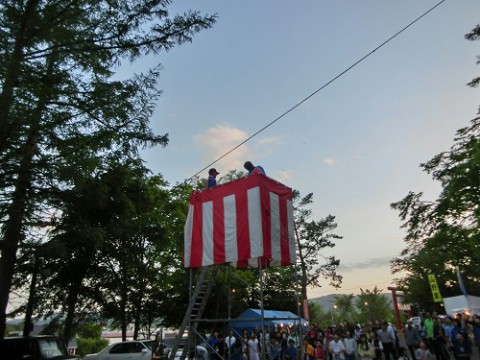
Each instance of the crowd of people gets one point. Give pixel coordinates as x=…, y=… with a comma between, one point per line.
x=441, y=338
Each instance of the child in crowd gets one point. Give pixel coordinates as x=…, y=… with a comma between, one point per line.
x=423, y=353
x=365, y=350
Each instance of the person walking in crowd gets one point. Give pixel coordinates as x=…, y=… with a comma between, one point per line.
x=337, y=348
x=253, y=348
x=201, y=352
x=386, y=335
x=318, y=352
x=357, y=332
x=291, y=352
x=463, y=348
x=423, y=352
x=212, y=178
x=212, y=341
x=230, y=342
x=350, y=346
x=244, y=341
x=293, y=336
x=457, y=329
x=220, y=348
x=327, y=338
x=312, y=334
x=307, y=350
x=476, y=330
x=402, y=354
x=275, y=349
x=448, y=329
x=365, y=350
x=428, y=326
x=412, y=337
x=264, y=341
x=441, y=343
x=377, y=341
x=253, y=169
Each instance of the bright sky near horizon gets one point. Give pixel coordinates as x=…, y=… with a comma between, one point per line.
x=357, y=144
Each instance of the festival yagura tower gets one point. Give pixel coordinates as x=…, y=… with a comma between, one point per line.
x=247, y=222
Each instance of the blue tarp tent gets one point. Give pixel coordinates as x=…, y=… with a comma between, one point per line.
x=252, y=318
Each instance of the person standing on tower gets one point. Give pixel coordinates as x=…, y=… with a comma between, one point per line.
x=212, y=178
x=252, y=169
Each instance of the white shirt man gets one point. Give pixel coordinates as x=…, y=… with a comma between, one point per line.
x=230, y=343
x=337, y=348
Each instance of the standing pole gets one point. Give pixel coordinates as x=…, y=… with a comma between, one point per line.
x=28, y=325
x=190, y=299
x=395, y=306
x=297, y=290
x=229, y=313
x=299, y=334
x=262, y=311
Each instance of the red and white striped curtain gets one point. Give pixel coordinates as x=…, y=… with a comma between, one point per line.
x=241, y=222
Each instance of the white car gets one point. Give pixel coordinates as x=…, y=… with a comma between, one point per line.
x=131, y=350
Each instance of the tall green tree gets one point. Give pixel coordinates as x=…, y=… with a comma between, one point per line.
x=320, y=315
x=60, y=110
x=443, y=235
x=373, y=305
x=116, y=231
x=345, y=308
x=312, y=237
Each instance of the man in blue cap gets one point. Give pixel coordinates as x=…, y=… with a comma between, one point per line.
x=212, y=175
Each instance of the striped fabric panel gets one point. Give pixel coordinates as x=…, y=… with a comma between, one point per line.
x=246, y=222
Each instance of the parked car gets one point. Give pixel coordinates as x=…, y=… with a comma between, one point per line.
x=199, y=352
x=169, y=343
x=34, y=348
x=132, y=350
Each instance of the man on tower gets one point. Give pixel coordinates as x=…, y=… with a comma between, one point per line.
x=253, y=169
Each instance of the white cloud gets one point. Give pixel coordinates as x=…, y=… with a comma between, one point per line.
x=330, y=161
x=218, y=140
x=367, y=264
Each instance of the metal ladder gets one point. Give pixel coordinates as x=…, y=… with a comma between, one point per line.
x=196, y=306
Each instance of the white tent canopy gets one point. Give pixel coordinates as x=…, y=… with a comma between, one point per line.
x=462, y=303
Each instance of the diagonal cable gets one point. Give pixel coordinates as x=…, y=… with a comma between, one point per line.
x=320, y=88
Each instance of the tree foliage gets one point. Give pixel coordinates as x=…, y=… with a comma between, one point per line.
x=373, y=305
x=312, y=237
x=443, y=235
x=61, y=111
x=319, y=315
x=345, y=308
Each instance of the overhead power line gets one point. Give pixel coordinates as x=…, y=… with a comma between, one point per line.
x=322, y=87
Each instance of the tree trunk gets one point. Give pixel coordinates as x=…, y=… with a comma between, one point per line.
x=12, y=74
x=13, y=229
x=123, y=320
x=13, y=233
x=72, y=302
x=138, y=308
x=304, y=278
x=123, y=304
x=28, y=324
